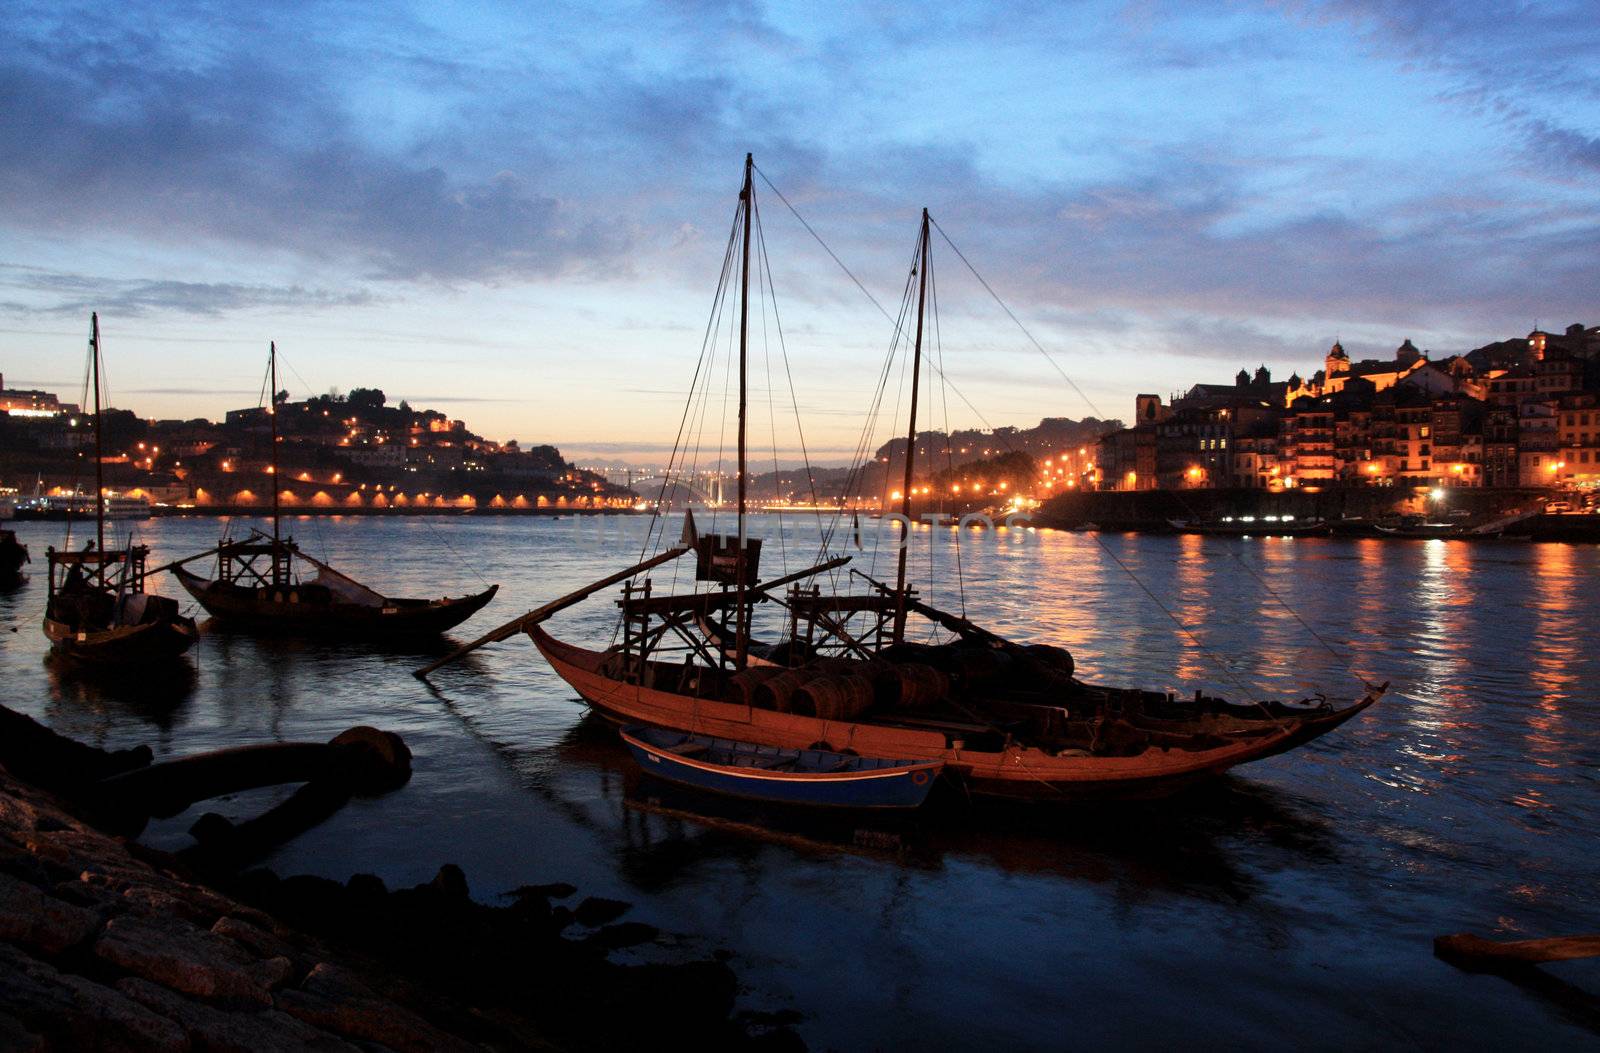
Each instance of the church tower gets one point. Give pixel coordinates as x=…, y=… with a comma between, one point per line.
x=1336, y=361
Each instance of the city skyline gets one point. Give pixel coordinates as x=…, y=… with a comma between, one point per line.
x=519, y=221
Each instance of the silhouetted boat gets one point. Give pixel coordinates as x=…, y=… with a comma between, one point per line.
x=815, y=778
x=13, y=554
x=1009, y=720
x=96, y=607
x=258, y=585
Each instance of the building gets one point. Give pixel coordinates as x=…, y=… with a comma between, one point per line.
x=19, y=402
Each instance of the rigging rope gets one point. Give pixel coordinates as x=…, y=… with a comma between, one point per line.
x=1341, y=658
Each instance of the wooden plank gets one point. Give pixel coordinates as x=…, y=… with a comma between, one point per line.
x=1469, y=950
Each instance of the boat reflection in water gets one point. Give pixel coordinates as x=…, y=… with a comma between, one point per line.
x=87, y=700
x=1177, y=846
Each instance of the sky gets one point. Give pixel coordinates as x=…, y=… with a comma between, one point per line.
x=517, y=213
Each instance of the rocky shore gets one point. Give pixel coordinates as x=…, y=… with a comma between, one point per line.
x=105, y=944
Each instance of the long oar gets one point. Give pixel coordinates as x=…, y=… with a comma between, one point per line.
x=539, y=614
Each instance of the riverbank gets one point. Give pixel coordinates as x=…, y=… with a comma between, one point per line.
x=1155, y=511
x=107, y=944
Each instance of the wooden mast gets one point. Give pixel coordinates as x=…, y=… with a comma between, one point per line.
x=99, y=450
x=741, y=621
x=911, y=437
x=272, y=414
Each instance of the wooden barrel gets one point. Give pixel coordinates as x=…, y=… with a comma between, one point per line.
x=743, y=684
x=777, y=693
x=979, y=665
x=837, y=666
x=917, y=686
x=834, y=697
x=1057, y=660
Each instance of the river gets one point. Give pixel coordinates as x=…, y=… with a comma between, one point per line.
x=1292, y=901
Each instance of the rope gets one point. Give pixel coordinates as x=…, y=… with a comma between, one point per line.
x=1342, y=659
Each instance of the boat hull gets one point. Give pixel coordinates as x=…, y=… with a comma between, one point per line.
x=1016, y=772
x=904, y=786
x=158, y=641
x=281, y=610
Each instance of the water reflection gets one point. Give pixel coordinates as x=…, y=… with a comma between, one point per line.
x=668, y=834
x=89, y=702
x=1464, y=800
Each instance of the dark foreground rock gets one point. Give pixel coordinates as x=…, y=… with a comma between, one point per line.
x=108, y=945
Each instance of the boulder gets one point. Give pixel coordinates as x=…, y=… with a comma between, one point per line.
x=193, y=961
x=39, y=921
x=70, y=1012
x=335, y=999
x=221, y=1031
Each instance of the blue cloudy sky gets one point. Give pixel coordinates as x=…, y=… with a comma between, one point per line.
x=517, y=212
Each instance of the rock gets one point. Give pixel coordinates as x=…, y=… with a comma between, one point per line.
x=627, y=934
x=39, y=921
x=218, y=1031
x=335, y=999
x=555, y=890
x=258, y=941
x=597, y=910
x=376, y=761
x=451, y=882
x=193, y=961
x=69, y=1012
x=16, y=1038
x=366, y=887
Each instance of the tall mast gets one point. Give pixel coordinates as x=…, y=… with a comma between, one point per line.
x=99, y=449
x=911, y=436
x=272, y=415
x=741, y=634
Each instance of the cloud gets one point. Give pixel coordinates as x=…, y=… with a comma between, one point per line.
x=240, y=150
x=56, y=293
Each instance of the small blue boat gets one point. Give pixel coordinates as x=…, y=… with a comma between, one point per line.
x=782, y=776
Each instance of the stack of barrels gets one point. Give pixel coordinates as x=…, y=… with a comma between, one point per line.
x=838, y=688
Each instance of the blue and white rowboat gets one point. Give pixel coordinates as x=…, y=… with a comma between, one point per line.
x=784, y=776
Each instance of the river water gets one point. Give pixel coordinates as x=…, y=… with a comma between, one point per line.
x=1294, y=900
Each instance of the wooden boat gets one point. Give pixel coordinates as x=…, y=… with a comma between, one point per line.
x=1010, y=720
x=13, y=554
x=259, y=586
x=96, y=608
x=810, y=777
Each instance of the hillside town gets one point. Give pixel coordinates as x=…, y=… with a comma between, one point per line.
x=1517, y=413
x=351, y=452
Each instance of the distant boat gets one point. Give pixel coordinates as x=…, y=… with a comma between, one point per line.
x=1439, y=531
x=814, y=778
x=81, y=505
x=257, y=585
x=1254, y=526
x=96, y=607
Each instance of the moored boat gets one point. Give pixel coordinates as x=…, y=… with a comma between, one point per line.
x=96, y=607
x=1008, y=719
x=13, y=554
x=259, y=585
x=1439, y=531
x=811, y=777
x=1255, y=526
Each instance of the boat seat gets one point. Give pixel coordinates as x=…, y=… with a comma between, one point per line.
x=774, y=763
x=688, y=749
